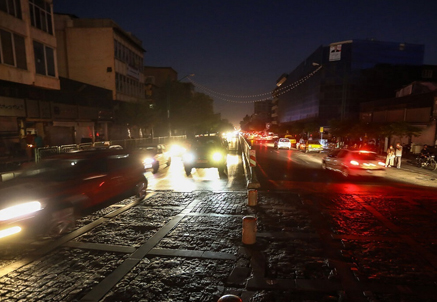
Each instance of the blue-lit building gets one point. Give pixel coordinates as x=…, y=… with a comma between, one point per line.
x=335, y=79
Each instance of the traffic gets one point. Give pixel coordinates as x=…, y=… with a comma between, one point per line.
x=46, y=198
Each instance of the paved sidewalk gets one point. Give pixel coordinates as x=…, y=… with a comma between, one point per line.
x=175, y=246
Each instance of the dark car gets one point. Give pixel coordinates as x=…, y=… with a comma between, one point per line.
x=46, y=198
x=206, y=152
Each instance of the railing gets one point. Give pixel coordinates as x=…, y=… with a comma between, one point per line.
x=252, y=181
x=125, y=143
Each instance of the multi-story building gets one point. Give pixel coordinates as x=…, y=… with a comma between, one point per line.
x=263, y=111
x=100, y=53
x=333, y=81
x=28, y=69
x=415, y=104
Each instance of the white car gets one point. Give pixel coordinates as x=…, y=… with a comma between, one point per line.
x=354, y=163
x=154, y=156
x=283, y=143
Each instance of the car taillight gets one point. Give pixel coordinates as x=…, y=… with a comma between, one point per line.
x=354, y=162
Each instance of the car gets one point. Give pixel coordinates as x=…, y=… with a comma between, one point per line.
x=354, y=163
x=206, y=152
x=46, y=198
x=282, y=143
x=154, y=156
x=311, y=146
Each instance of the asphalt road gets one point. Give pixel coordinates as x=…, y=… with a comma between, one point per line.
x=319, y=237
x=295, y=170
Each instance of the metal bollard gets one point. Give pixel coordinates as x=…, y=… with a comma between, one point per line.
x=230, y=298
x=252, y=197
x=249, y=230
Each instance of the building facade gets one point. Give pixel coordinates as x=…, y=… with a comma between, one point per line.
x=28, y=69
x=99, y=53
x=335, y=79
x=51, y=87
x=415, y=104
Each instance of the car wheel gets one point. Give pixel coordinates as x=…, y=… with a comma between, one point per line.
x=155, y=168
x=60, y=222
x=141, y=189
x=188, y=171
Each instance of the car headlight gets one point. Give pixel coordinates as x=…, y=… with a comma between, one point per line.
x=217, y=156
x=20, y=210
x=188, y=157
x=176, y=149
x=10, y=231
x=148, y=161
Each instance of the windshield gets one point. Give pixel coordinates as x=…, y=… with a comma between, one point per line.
x=207, y=141
x=366, y=155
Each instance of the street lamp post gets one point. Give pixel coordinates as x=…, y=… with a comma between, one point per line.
x=168, y=101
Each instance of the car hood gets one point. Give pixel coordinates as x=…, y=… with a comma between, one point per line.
x=204, y=152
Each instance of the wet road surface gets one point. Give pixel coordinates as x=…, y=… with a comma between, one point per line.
x=319, y=238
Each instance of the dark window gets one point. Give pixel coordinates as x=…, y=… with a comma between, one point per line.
x=40, y=64
x=50, y=61
x=7, y=48
x=12, y=7
x=44, y=59
x=3, y=6
x=41, y=15
x=20, y=52
x=12, y=50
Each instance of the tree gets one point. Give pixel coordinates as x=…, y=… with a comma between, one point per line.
x=400, y=129
x=136, y=114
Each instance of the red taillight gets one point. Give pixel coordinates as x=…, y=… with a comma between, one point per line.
x=354, y=162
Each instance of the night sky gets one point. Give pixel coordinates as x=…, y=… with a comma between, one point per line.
x=242, y=47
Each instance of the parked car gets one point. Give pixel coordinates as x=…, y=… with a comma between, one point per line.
x=311, y=146
x=206, y=152
x=47, y=197
x=354, y=163
x=154, y=156
x=282, y=143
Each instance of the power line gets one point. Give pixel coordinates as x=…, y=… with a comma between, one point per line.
x=280, y=91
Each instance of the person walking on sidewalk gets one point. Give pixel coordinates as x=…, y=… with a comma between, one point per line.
x=389, y=162
x=398, y=154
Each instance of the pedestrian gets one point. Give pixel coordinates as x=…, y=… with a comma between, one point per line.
x=390, y=157
x=30, y=141
x=39, y=143
x=398, y=154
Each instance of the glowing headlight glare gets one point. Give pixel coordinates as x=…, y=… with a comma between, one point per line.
x=10, y=231
x=20, y=210
x=188, y=157
x=217, y=156
x=148, y=160
x=354, y=162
